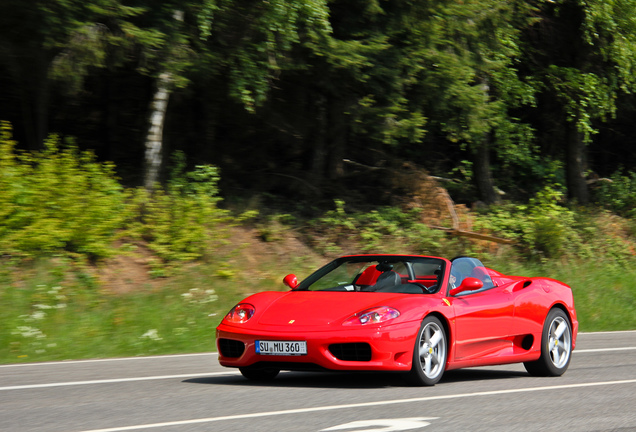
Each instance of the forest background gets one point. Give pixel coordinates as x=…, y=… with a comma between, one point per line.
x=159, y=160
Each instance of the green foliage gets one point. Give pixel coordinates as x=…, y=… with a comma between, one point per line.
x=382, y=230
x=274, y=227
x=545, y=229
x=585, y=96
x=618, y=193
x=61, y=200
x=261, y=40
x=183, y=221
x=57, y=200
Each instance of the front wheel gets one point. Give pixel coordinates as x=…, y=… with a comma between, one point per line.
x=429, y=353
x=556, y=346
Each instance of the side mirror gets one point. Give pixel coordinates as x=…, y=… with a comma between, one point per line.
x=468, y=284
x=291, y=281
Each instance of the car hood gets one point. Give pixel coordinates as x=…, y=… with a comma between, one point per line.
x=313, y=308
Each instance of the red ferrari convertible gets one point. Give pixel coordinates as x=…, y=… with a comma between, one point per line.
x=419, y=315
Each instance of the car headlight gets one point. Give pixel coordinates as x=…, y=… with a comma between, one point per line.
x=240, y=313
x=374, y=315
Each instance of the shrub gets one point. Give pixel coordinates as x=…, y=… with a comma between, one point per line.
x=545, y=229
x=542, y=228
x=618, y=193
x=62, y=200
x=58, y=199
x=382, y=230
x=181, y=222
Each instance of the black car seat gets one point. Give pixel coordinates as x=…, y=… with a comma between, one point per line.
x=387, y=280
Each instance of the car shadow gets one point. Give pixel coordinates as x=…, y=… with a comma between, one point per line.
x=354, y=380
x=346, y=380
x=460, y=375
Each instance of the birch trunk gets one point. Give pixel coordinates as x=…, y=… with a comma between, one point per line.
x=154, y=139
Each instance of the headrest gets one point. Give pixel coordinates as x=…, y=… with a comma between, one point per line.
x=384, y=266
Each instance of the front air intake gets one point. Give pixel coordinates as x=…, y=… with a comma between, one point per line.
x=231, y=348
x=358, y=351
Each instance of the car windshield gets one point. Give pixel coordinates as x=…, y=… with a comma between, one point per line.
x=399, y=274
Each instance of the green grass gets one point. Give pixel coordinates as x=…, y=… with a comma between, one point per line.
x=52, y=310
x=55, y=312
x=604, y=295
x=604, y=292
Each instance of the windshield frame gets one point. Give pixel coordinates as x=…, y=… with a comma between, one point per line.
x=352, y=259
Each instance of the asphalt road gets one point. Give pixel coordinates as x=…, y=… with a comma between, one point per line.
x=193, y=393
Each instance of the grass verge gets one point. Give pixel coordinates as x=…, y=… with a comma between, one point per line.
x=55, y=310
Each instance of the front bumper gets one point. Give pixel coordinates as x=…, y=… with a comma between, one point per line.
x=391, y=347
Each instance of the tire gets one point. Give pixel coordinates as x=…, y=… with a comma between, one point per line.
x=556, y=346
x=259, y=374
x=429, y=353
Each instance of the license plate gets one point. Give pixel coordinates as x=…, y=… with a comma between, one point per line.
x=287, y=348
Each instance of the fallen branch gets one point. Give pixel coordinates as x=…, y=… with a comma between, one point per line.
x=474, y=235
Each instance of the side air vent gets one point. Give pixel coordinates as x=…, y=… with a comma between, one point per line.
x=527, y=342
x=359, y=351
x=231, y=348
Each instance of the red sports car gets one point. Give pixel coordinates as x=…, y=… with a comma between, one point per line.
x=419, y=315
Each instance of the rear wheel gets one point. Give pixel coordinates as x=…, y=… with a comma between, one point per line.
x=259, y=374
x=429, y=353
x=556, y=346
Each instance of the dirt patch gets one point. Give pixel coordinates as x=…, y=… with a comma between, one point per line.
x=132, y=266
x=129, y=269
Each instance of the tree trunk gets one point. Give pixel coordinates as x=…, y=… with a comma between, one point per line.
x=154, y=139
x=481, y=163
x=576, y=165
x=483, y=176
x=159, y=106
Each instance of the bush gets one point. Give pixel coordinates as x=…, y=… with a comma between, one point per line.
x=618, y=194
x=382, y=230
x=542, y=228
x=57, y=199
x=181, y=222
x=545, y=229
x=61, y=200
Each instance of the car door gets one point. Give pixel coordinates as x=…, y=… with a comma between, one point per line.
x=483, y=323
x=483, y=318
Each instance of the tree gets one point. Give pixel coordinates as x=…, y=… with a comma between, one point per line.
x=583, y=53
x=462, y=57
x=50, y=40
x=247, y=42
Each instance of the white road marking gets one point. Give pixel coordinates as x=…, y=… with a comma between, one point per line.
x=584, y=351
x=359, y=405
x=605, y=332
x=116, y=380
x=210, y=374
x=68, y=362
x=384, y=425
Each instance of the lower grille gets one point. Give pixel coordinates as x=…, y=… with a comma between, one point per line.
x=231, y=348
x=358, y=351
